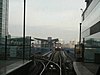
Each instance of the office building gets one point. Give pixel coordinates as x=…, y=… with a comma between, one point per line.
x=91, y=30
x=3, y=25
x=4, y=17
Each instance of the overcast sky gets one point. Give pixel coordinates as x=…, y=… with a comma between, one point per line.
x=46, y=18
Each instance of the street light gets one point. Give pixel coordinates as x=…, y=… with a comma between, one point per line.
x=80, y=34
x=81, y=46
x=80, y=27
x=24, y=18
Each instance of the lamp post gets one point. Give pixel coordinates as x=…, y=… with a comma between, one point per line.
x=80, y=34
x=24, y=18
x=80, y=27
x=81, y=46
x=82, y=14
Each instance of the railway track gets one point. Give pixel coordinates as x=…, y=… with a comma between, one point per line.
x=41, y=73
x=52, y=67
x=67, y=64
x=59, y=63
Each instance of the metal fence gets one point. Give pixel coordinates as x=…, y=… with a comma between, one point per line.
x=11, y=52
x=12, y=48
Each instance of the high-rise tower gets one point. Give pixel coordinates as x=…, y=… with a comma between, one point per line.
x=4, y=5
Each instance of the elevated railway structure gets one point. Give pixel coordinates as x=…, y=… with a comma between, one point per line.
x=52, y=63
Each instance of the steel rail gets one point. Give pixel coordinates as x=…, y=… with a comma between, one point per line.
x=67, y=55
x=43, y=66
x=46, y=65
x=50, y=61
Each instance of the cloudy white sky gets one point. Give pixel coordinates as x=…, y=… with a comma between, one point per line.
x=45, y=18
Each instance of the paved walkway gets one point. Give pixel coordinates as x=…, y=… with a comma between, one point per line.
x=85, y=68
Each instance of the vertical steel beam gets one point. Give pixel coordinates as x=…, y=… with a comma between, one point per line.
x=80, y=34
x=30, y=49
x=24, y=30
x=5, y=47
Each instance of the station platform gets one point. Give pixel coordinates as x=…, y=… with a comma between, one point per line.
x=9, y=66
x=82, y=68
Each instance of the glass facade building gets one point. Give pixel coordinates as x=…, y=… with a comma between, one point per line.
x=4, y=5
x=91, y=30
